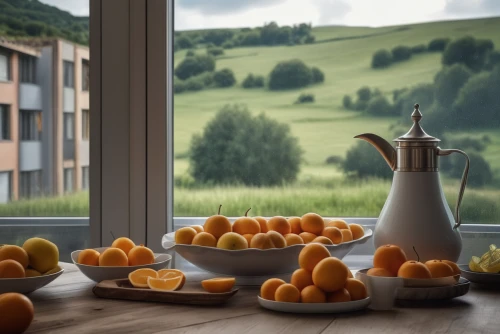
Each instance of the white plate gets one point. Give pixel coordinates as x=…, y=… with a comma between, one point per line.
x=98, y=274
x=315, y=307
x=27, y=284
x=251, y=261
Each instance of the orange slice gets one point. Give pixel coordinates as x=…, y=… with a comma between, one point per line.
x=218, y=285
x=171, y=273
x=139, y=278
x=166, y=284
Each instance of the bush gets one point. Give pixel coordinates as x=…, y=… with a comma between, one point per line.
x=381, y=59
x=215, y=51
x=224, y=78
x=305, y=98
x=290, y=74
x=379, y=106
x=422, y=94
x=448, y=82
x=334, y=160
x=438, y=44
x=190, y=53
x=418, y=49
x=253, y=81
x=468, y=51
x=468, y=143
x=236, y=147
x=401, y=53
x=479, y=173
x=207, y=78
x=347, y=102
x=309, y=39
x=397, y=93
x=364, y=94
x=259, y=81
x=360, y=105
x=191, y=66
x=363, y=160
x=179, y=86
x=317, y=75
x=251, y=38
x=493, y=60
x=184, y=42
x=227, y=45
x=194, y=84
x=217, y=36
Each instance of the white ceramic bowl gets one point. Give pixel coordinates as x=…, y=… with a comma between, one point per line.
x=98, y=274
x=27, y=284
x=315, y=307
x=251, y=261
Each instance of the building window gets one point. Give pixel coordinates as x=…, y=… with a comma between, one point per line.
x=69, y=176
x=5, y=187
x=85, y=124
x=27, y=69
x=85, y=177
x=30, y=125
x=69, y=74
x=30, y=184
x=4, y=122
x=4, y=66
x=85, y=75
x=69, y=126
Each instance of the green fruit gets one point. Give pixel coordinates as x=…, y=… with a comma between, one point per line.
x=43, y=254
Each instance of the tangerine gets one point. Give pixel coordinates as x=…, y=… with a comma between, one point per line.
x=279, y=224
x=269, y=287
x=246, y=225
x=140, y=255
x=330, y=274
x=11, y=269
x=312, y=294
x=311, y=255
x=113, y=257
x=185, y=235
x=338, y=296
x=89, y=257
x=333, y=233
x=439, y=268
x=16, y=253
x=287, y=293
x=123, y=243
x=217, y=225
x=356, y=289
x=389, y=257
x=301, y=278
x=454, y=266
x=414, y=269
x=204, y=239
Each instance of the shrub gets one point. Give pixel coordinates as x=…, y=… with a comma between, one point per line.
x=236, y=147
x=418, y=48
x=253, y=81
x=184, y=42
x=191, y=66
x=309, y=39
x=224, y=78
x=207, y=78
x=194, y=84
x=422, y=94
x=493, y=60
x=360, y=105
x=334, y=160
x=249, y=38
x=305, y=98
x=479, y=173
x=401, y=53
x=397, y=93
x=448, y=82
x=217, y=36
x=347, y=102
x=468, y=143
x=259, y=81
x=438, y=44
x=381, y=59
x=227, y=45
x=317, y=75
x=363, y=160
x=364, y=94
x=179, y=86
x=215, y=51
x=379, y=106
x=190, y=53
x=290, y=74
x=469, y=51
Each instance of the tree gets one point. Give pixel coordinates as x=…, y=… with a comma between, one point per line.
x=215, y=51
x=35, y=28
x=381, y=59
x=422, y=94
x=290, y=74
x=236, y=147
x=347, y=102
x=224, y=78
x=218, y=36
x=364, y=94
x=418, y=48
x=438, y=44
x=480, y=173
x=448, y=82
x=191, y=66
x=305, y=98
x=253, y=81
x=379, y=106
x=401, y=53
x=317, y=75
x=469, y=51
x=249, y=38
x=184, y=42
x=363, y=160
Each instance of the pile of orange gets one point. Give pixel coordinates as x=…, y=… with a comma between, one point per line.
x=391, y=261
x=277, y=232
x=123, y=252
x=320, y=279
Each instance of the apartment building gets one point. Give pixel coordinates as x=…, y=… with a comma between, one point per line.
x=44, y=119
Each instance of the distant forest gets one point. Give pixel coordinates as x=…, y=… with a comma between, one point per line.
x=31, y=18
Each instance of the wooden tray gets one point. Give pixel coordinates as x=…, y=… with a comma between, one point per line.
x=192, y=293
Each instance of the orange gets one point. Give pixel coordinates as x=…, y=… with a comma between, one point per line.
x=204, y=239
x=232, y=241
x=287, y=293
x=338, y=296
x=32, y=273
x=218, y=285
x=89, y=257
x=301, y=278
x=333, y=233
x=246, y=225
x=349, y=274
x=295, y=225
x=323, y=240
x=357, y=231
x=311, y=255
x=139, y=278
x=414, y=269
x=356, y=288
x=453, y=265
x=439, y=269
x=389, y=257
x=169, y=273
x=269, y=287
x=277, y=239
x=125, y=244
x=113, y=257
x=16, y=253
x=279, y=224
x=382, y=272
x=11, y=269
x=16, y=313
x=263, y=224
x=197, y=228
x=185, y=235
x=307, y=237
x=312, y=223
x=338, y=223
x=346, y=235
x=248, y=237
x=217, y=225
x=330, y=274
x=165, y=284
x=293, y=239
x=261, y=241
x=312, y=294
x=140, y=255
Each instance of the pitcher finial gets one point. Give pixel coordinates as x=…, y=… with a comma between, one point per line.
x=416, y=116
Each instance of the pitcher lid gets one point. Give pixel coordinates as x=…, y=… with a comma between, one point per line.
x=416, y=133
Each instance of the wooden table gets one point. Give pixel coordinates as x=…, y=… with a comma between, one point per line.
x=68, y=306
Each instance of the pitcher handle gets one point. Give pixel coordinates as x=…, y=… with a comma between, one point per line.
x=465, y=175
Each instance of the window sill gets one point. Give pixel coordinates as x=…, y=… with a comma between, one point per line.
x=6, y=81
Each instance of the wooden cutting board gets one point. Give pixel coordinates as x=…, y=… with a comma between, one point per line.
x=191, y=293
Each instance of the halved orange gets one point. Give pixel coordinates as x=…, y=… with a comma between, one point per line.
x=139, y=278
x=218, y=285
x=166, y=284
x=171, y=273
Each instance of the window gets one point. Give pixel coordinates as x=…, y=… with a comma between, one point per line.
x=30, y=125
x=85, y=75
x=4, y=122
x=69, y=179
x=4, y=66
x=85, y=124
x=5, y=187
x=27, y=69
x=85, y=177
x=69, y=126
x=69, y=74
x=30, y=184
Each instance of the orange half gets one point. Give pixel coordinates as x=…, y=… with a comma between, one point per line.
x=166, y=284
x=139, y=278
x=218, y=285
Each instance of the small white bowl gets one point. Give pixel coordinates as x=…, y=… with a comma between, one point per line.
x=315, y=307
x=98, y=274
x=27, y=284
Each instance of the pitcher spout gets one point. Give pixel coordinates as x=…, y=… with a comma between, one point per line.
x=383, y=146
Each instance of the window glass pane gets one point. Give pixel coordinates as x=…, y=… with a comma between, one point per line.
x=69, y=125
x=4, y=67
x=27, y=69
x=5, y=187
x=30, y=125
x=69, y=74
x=4, y=122
x=69, y=179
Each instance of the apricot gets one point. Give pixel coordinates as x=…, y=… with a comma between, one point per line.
x=334, y=234
x=263, y=224
x=32, y=273
x=293, y=239
x=248, y=237
x=197, y=228
x=232, y=241
x=124, y=243
x=268, y=288
x=140, y=255
x=330, y=274
x=414, y=269
x=16, y=253
x=11, y=269
x=89, y=257
x=287, y=293
x=346, y=235
x=439, y=269
x=381, y=272
x=16, y=313
x=185, y=235
x=301, y=278
x=323, y=240
x=357, y=231
x=311, y=255
x=389, y=257
x=246, y=225
x=356, y=289
x=279, y=224
x=295, y=225
x=454, y=266
x=204, y=239
x=307, y=237
x=113, y=257
x=312, y=223
x=338, y=223
x=338, y=296
x=261, y=241
x=277, y=239
x=312, y=294
x=217, y=225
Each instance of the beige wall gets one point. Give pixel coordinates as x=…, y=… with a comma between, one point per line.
x=58, y=117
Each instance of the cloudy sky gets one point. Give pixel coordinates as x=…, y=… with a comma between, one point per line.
x=196, y=14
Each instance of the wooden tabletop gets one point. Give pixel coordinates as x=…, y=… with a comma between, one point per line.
x=68, y=306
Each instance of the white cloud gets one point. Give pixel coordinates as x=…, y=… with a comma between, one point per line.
x=75, y=7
